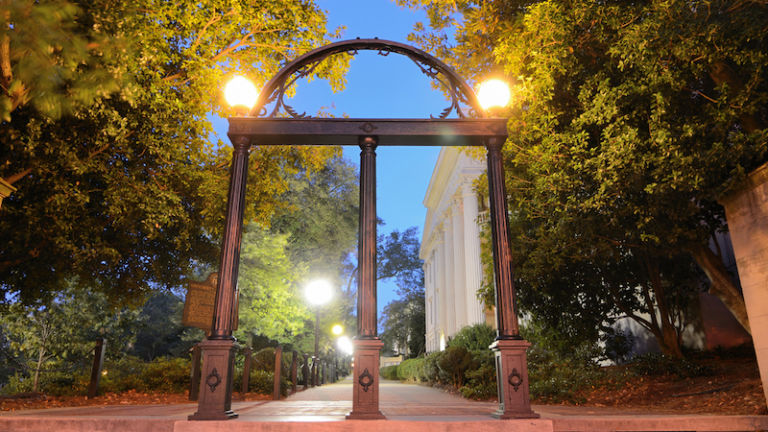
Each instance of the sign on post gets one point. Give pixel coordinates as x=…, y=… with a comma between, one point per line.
x=199, y=303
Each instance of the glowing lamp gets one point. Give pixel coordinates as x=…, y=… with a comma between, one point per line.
x=318, y=292
x=240, y=92
x=493, y=93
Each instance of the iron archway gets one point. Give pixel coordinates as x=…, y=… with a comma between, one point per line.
x=303, y=66
x=267, y=129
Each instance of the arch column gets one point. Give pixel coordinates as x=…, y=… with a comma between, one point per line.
x=510, y=349
x=365, y=385
x=219, y=347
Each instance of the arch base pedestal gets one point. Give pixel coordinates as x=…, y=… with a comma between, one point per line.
x=365, y=393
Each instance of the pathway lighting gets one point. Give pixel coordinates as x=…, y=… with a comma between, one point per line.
x=344, y=343
x=493, y=93
x=240, y=92
x=318, y=292
x=337, y=329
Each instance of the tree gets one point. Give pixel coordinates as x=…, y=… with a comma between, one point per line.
x=320, y=217
x=630, y=120
x=270, y=301
x=158, y=330
x=404, y=326
x=121, y=188
x=59, y=336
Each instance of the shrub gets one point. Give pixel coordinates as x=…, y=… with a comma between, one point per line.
x=389, y=372
x=263, y=382
x=168, y=375
x=163, y=374
x=410, y=370
x=481, y=376
x=453, y=363
x=430, y=372
x=474, y=338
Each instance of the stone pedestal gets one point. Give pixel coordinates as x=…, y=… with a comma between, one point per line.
x=365, y=388
x=215, y=398
x=746, y=210
x=512, y=379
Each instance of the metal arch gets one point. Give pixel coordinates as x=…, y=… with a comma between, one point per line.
x=304, y=65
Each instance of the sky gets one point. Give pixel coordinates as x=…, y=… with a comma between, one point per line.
x=381, y=87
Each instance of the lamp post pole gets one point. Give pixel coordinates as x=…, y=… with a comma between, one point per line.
x=315, y=381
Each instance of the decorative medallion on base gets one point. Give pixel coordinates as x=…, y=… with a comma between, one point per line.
x=365, y=393
x=215, y=398
x=512, y=379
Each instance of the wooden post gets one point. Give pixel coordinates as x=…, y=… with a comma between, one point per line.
x=278, y=372
x=365, y=388
x=98, y=363
x=313, y=372
x=305, y=372
x=248, y=353
x=194, y=374
x=509, y=348
x=294, y=371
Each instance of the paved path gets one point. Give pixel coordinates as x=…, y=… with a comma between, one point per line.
x=408, y=408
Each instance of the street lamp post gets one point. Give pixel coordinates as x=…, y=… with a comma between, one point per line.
x=318, y=292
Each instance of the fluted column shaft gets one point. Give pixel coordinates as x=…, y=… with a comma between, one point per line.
x=366, y=291
x=506, y=310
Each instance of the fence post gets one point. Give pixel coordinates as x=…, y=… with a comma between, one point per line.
x=248, y=353
x=305, y=371
x=278, y=367
x=98, y=363
x=194, y=374
x=294, y=371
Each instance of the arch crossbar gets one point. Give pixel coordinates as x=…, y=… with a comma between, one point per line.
x=459, y=92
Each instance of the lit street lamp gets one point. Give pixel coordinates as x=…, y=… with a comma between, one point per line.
x=493, y=93
x=318, y=292
x=240, y=92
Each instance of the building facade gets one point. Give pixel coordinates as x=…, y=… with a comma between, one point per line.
x=450, y=248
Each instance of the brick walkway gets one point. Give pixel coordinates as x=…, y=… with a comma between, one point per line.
x=408, y=408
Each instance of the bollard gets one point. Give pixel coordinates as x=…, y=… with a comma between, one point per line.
x=294, y=371
x=278, y=370
x=98, y=363
x=248, y=353
x=194, y=374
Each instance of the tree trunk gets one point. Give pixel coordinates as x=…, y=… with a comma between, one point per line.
x=723, y=286
x=40, y=358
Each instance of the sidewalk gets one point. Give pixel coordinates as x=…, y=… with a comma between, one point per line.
x=408, y=408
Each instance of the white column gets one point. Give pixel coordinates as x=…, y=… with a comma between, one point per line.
x=459, y=278
x=474, y=270
x=441, y=298
x=448, y=308
x=428, y=289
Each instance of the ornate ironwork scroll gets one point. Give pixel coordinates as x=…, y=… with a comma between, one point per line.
x=213, y=380
x=459, y=92
x=515, y=379
x=365, y=380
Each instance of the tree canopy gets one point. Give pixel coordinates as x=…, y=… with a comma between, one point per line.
x=629, y=120
x=105, y=132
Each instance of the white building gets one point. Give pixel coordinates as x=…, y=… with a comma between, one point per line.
x=450, y=248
